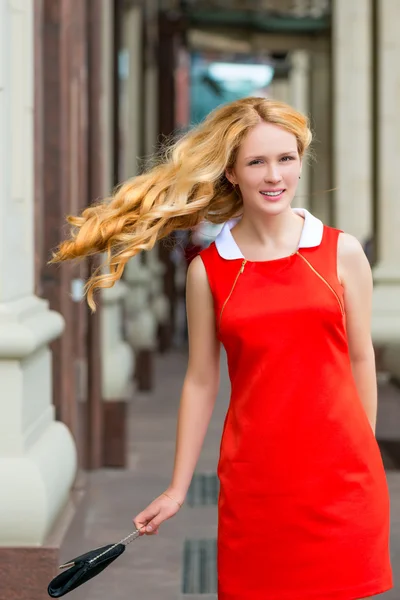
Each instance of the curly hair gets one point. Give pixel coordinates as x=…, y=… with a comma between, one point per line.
x=188, y=186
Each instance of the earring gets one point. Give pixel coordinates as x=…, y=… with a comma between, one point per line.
x=299, y=176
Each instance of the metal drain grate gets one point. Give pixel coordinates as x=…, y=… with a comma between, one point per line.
x=203, y=490
x=199, y=567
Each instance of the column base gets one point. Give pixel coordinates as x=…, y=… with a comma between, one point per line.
x=115, y=433
x=144, y=373
x=25, y=572
x=164, y=337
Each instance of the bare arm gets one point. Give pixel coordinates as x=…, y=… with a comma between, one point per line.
x=198, y=397
x=355, y=274
x=201, y=382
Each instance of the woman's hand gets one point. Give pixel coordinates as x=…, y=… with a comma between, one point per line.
x=161, y=509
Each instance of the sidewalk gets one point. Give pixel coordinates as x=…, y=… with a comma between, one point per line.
x=153, y=568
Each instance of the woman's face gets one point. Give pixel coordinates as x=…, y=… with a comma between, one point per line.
x=267, y=169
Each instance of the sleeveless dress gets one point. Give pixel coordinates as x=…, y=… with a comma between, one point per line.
x=303, y=508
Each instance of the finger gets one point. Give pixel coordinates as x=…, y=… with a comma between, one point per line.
x=144, y=517
x=140, y=525
x=152, y=526
x=141, y=529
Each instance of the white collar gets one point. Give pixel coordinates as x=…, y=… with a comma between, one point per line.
x=311, y=235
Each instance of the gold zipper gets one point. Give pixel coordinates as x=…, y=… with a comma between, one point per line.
x=230, y=293
x=325, y=281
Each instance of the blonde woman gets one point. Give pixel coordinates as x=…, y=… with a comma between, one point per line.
x=304, y=505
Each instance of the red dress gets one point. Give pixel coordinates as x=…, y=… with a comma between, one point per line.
x=303, y=510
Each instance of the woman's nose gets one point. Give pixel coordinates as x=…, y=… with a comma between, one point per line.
x=273, y=175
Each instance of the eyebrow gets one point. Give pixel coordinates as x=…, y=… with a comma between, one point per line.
x=279, y=155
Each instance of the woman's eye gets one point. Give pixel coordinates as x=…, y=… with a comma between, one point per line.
x=258, y=161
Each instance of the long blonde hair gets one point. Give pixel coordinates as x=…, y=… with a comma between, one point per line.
x=185, y=188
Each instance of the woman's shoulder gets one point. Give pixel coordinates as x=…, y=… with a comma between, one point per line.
x=349, y=246
x=353, y=263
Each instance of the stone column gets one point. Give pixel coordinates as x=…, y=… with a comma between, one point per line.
x=299, y=99
x=279, y=89
x=159, y=300
x=107, y=97
x=141, y=322
x=150, y=82
x=116, y=353
x=388, y=84
x=386, y=316
x=321, y=117
x=132, y=94
x=117, y=372
x=37, y=454
x=352, y=93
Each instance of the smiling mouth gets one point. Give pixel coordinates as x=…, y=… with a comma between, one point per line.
x=272, y=194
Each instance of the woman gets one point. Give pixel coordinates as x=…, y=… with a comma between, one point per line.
x=304, y=505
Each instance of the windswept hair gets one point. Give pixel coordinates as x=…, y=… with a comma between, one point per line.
x=186, y=188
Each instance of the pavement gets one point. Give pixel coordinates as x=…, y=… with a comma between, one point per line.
x=152, y=567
